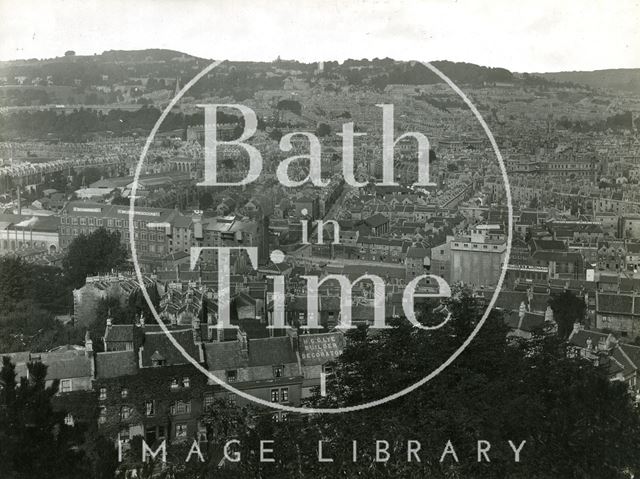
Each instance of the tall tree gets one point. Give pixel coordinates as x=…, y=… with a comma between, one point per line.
x=35, y=440
x=567, y=310
x=97, y=252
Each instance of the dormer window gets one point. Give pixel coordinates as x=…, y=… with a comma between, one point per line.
x=158, y=360
x=278, y=371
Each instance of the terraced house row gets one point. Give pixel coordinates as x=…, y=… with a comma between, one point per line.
x=142, y=385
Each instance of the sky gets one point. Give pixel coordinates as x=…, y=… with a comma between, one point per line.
x=521, y=35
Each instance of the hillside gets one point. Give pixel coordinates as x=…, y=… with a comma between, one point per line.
x=118, y=77
x=625, y=79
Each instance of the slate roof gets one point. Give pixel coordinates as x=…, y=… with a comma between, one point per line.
x=624, y=358
x=618, y=303
x=261, y=352
x=267, y=351
x=420, y=253
x=156, y=340
x=119, y=333
x=510, y=300
x=113, y=364
x=225, y=355
x=67, y=366
x=376, y=220
x=633, y=353
x=530, y=322
x=542, y=244
x=64, y=364
x=558, y=256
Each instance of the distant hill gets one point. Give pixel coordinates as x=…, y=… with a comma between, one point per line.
x=625, y=79
x=120, y=65
x=145, y=77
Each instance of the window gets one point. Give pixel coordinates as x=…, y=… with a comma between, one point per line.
x=181, y=430
x=284, y=394
x=102, y=416
x=150, y=408
x=202, y=433
x=174, y=384
x=125, y=413
x=181, y=407
x=185, y=382
x=275, y=395
x=279, y=416
x=124, y=393
x=103, y=394
x=232, y=376
x=68, y=420
x=208, y=400
x=65, y=386
x=278, y=371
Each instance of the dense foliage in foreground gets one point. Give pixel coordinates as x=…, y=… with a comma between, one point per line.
x=575, y=421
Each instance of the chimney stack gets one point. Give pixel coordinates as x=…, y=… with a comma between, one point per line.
x=293, y=338
x=244, y=342
x=88, y=344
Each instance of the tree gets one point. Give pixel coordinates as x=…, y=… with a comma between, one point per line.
x=138, y=304
x=323, y=130
x=205, y=201
x=35, y=440
x=564, y=407
x=290, y=105
x=567, y=310
x=97, y=252
x=275, y=134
